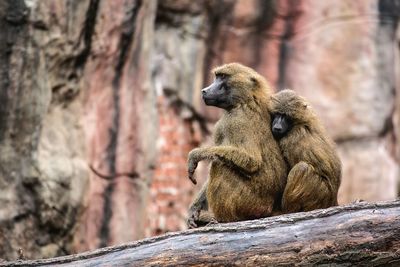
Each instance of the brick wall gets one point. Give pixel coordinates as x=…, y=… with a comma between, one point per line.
x=171, y=192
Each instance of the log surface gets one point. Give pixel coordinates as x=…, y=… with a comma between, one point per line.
x=366, y=234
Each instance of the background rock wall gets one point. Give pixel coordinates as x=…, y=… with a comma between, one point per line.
x=116, y=85
x=342, y=56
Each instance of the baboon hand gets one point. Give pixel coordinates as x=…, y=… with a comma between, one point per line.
x=192, y=165
x=193, y=160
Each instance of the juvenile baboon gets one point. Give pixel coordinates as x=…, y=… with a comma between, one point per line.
x=315, y=168
x=248, y=173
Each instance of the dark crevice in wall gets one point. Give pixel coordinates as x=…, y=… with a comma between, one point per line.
x=389, y=13
x=17, y=12
x=125, y=41
x=137, y=47
x=389, y=19
x=283, y=55
x=265, y=19
x=125, y=44
x=87, y=33
x=284, y=49
x=388, y=126
x=66, y=87
x=12, y=20
x=176, y=14
x=216, y=13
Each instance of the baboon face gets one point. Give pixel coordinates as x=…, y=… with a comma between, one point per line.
x=219, y=93
x=288, y=109
x=281, y=125
x=233, y=84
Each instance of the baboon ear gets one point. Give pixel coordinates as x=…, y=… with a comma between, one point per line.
x=254, y=80
x=305, y=105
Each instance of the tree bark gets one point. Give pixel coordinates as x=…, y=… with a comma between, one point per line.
x=365, y=234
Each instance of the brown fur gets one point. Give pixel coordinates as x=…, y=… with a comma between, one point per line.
x=248, y=173
x=315, y=168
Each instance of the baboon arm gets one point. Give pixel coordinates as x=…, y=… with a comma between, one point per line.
x=237, y=158
x=229, y=155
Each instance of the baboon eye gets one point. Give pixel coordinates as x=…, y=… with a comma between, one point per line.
x=222, y=76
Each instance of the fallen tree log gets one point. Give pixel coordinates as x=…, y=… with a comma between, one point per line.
x=366, y=234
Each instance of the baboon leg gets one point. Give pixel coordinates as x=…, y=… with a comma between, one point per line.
x=305, y=190
x=199, y=214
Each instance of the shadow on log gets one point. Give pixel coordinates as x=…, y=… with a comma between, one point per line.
x=366, y=234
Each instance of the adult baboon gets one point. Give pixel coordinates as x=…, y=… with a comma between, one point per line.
x=248, y=173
